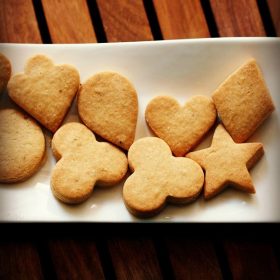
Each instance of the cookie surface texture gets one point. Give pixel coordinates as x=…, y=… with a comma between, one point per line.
x=181, y=128
x=82, y=163
x=107, y=104
x=159, y=177
x=5, y=71
x=45, y=90
x=22, y=146
x=227, y=163
x=243, y=101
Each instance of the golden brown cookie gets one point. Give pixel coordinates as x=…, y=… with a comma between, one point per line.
x=107, y=104
x=227, y=163
x=5, y=71
x=45, y=90
x=243, y=101
x=83, y=162
x=159, y=178
x=22, y=146
x=181, y=128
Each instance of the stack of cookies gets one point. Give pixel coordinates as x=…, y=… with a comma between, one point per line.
x=164, y=168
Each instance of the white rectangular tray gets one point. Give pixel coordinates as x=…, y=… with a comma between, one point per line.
x=180, y=68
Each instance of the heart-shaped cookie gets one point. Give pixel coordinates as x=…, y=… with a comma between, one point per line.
x=107, y=104
x=180, y=127
x=45, y=90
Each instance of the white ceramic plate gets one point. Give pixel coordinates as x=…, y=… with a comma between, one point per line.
x=180, y=68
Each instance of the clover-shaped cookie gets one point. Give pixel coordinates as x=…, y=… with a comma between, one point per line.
x=83, y=162
x=159, y=177
x=45, y=90
x=181, y=128
x=5, y=71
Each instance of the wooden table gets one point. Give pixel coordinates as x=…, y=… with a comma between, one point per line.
x=138, y=252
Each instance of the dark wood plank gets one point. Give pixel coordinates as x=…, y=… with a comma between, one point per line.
x=19, y=260
x=18, y=22
x=69, y=21
x=181, y=19
x=237, y=18
x=124, y=20
x=251, y=260
x=134, y=259
x=193, y=259
x=274, y=7
x=75, y=259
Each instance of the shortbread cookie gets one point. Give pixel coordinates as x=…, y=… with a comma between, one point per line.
x=83, y=162
x=181, y=128
x=45, y=90
x=22, y=146
x=227, y=163
x=107, y=104
x=159, y=178
x=5, y=71
x=243, y=101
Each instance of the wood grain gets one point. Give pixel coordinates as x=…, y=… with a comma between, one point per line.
x=181, y=19
x=193, y=259
x=19, y=260
x=251, y=260
x=274, y=8
x=237, y=18
x=76, y=259
x=124, y=20
x=134, y=259
x=18, y=22
x=69, y=21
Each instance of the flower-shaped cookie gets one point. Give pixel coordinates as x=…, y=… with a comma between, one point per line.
x=45, y=90
x=83, y=162
x=159, y=177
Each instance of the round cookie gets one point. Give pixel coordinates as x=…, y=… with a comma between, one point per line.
x=108, y=105
x=5, y=72
x=22, y=146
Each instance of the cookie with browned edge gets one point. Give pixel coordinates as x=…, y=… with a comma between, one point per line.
x=243, y=101
x=108, y=105
x=5, y=71
x=45, y=90
x=22, y=146
x=158, y=178
x=227, y=163
x=181, y=127
x=82, y=163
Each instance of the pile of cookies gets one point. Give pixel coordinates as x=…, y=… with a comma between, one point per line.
x=163, y=168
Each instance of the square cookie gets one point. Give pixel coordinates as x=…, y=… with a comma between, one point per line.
x=243, y=101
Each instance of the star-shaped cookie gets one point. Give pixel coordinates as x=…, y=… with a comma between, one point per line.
x=227, y=163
